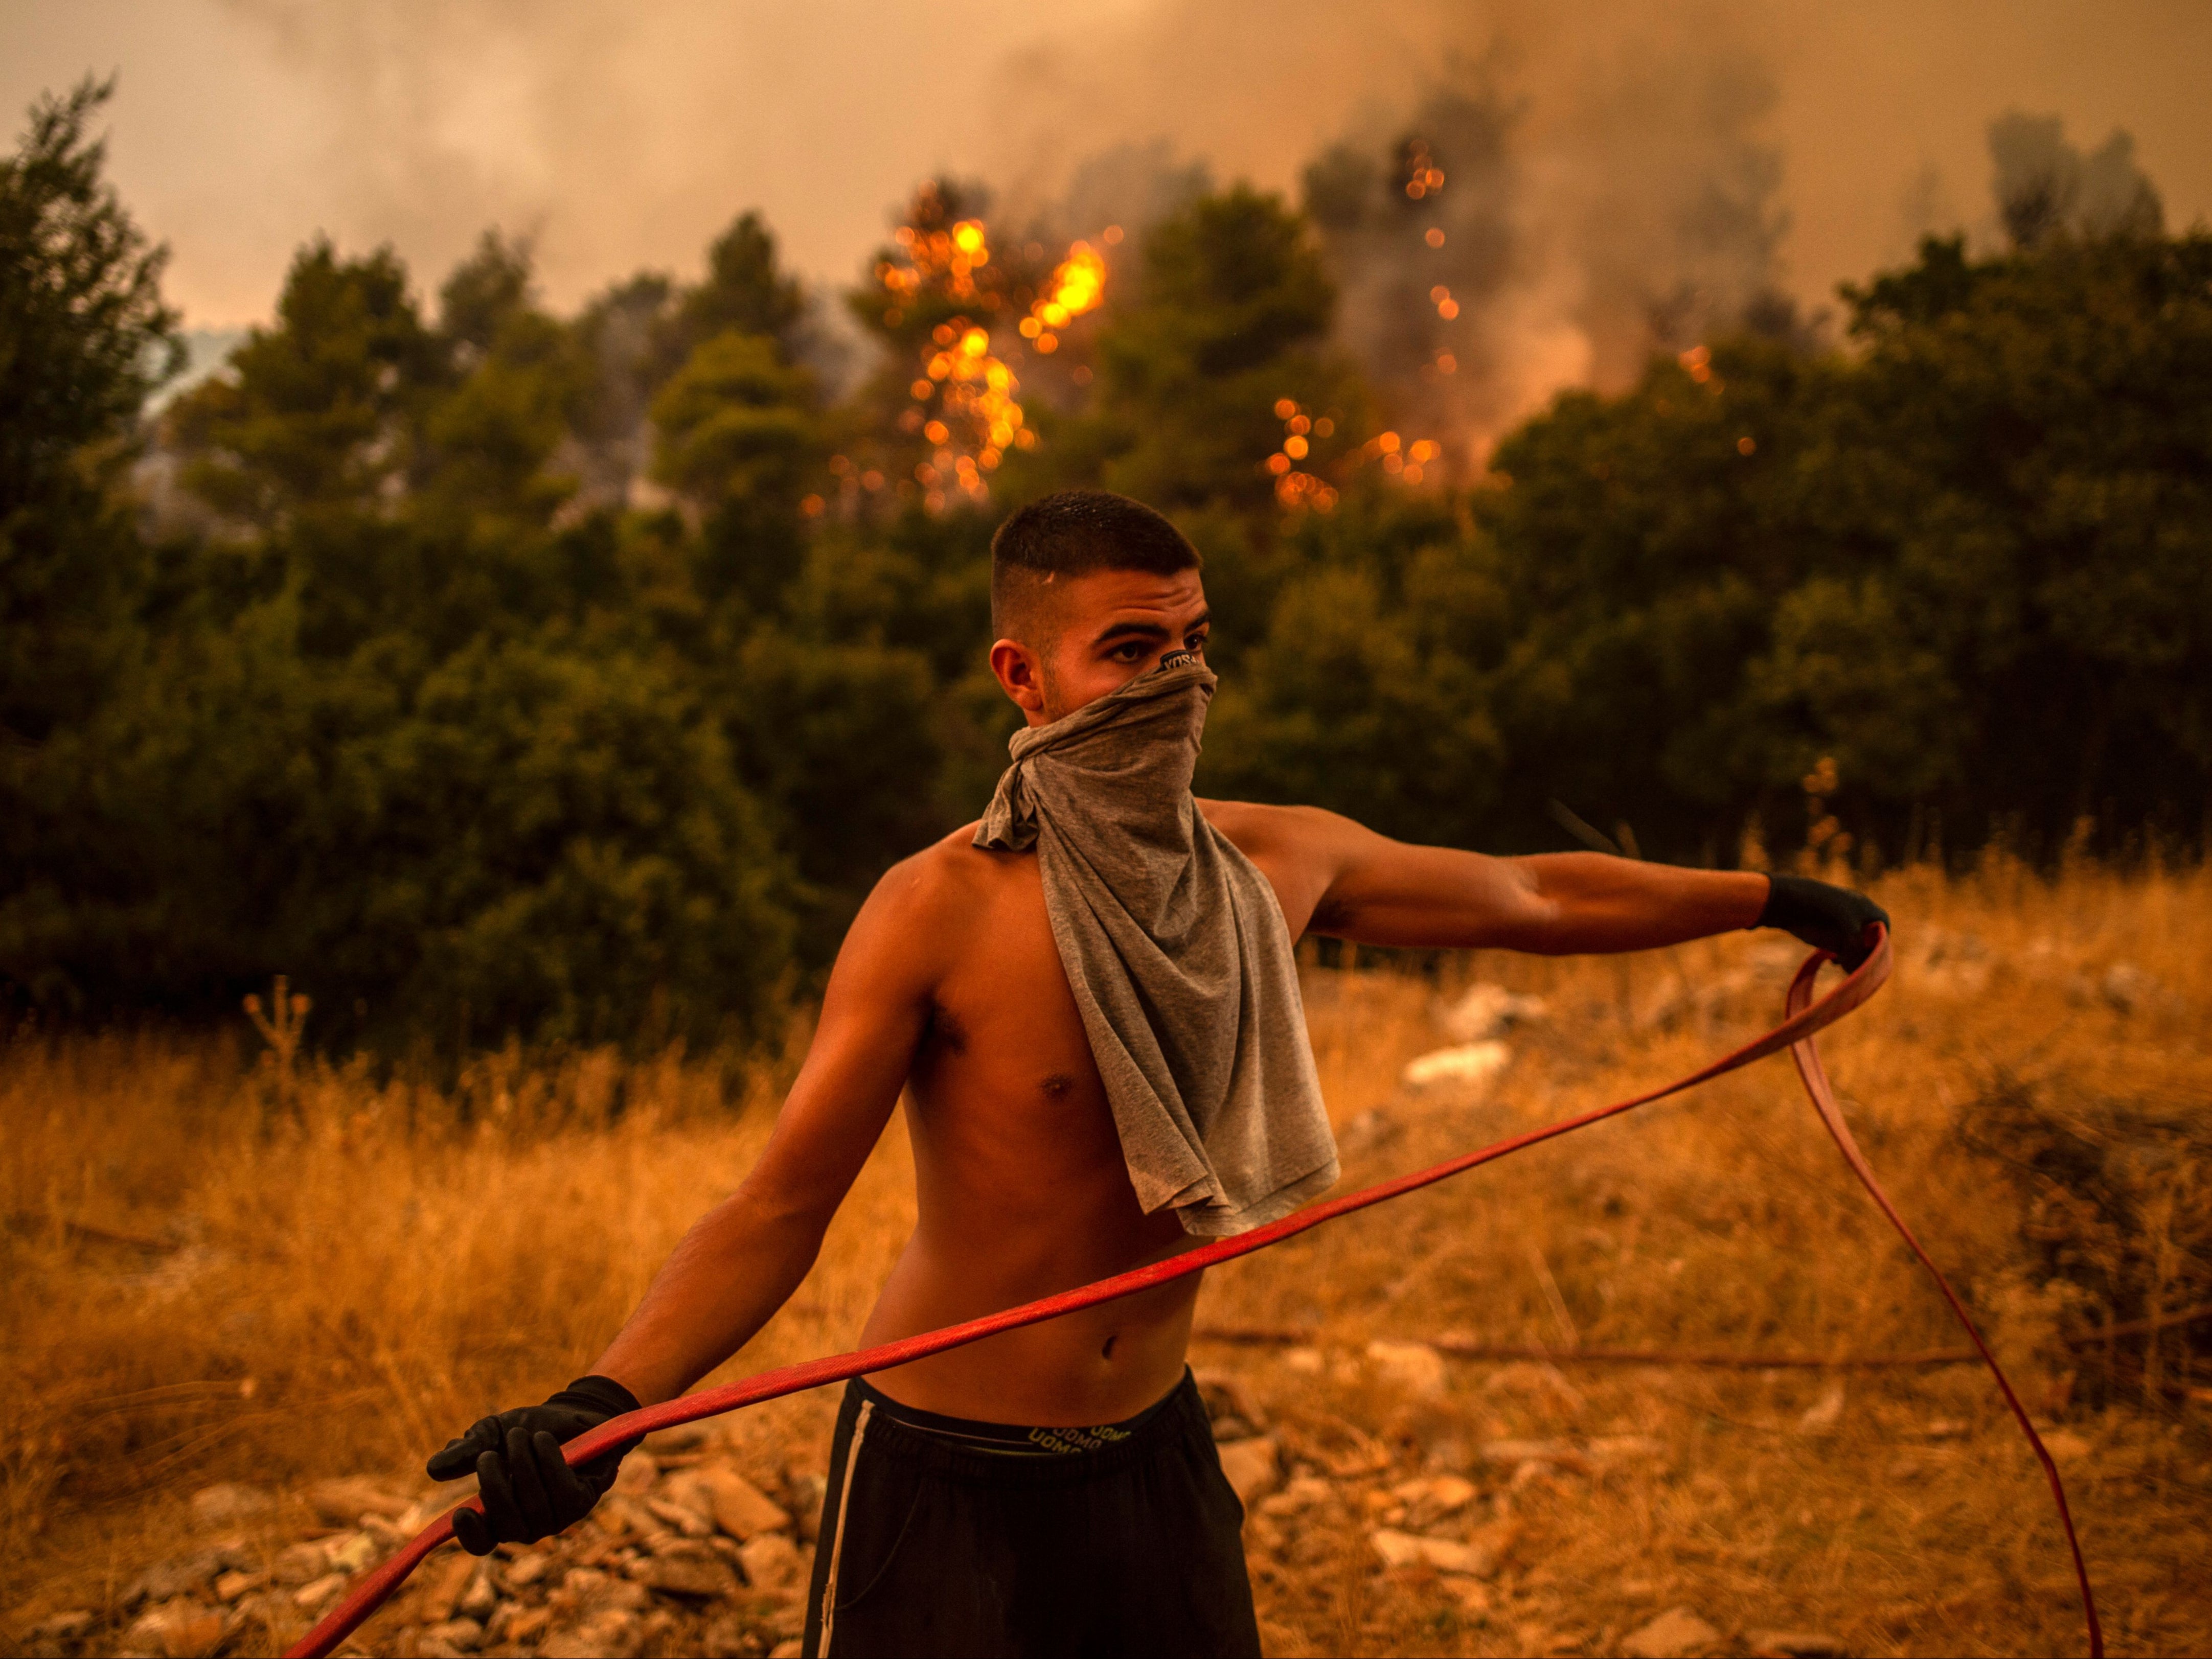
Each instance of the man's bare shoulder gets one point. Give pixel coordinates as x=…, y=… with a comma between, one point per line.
x=1259, y=829
x=922, y=916
x=948, y=879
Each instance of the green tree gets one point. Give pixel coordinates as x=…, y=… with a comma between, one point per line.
x=1235, y=310
x=744, y=291
x=316, y=414
x=84, y=337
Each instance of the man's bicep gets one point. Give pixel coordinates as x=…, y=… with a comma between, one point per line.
x=1396, y=893
x=873, y=1013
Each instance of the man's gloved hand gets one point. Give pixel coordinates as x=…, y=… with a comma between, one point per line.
x=529, y=1493
x=1831, y=919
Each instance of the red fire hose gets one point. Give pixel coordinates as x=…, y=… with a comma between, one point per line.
x=1804, y=1016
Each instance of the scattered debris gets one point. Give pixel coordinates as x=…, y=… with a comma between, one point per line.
x=1489, y=1011
x=1823, y=1414
x=685, y=1543
x=62, y=1626
x=741, y=1507
x=1674, y=1634
x=221, y=1504
x=1796, y=1644
x=1254, y=1468
x=1304, y=1492
x=183, y=1629
x=1430, y=1498
x=1415, y=1367
x=1521, y=1453
x=1469, y=1064
x=2066, y=1446
x=1624, y=1448
x=1446, y=1555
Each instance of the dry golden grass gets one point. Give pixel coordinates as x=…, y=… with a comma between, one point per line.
x=217, y=1277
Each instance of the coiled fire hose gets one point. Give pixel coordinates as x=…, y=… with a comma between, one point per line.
x=1803, y=1017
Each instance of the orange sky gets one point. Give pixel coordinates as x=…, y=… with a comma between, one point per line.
x=624, y=136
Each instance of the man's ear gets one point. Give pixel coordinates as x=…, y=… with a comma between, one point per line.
x=1020, y=674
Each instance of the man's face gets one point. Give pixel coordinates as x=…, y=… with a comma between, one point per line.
x=1102, y=631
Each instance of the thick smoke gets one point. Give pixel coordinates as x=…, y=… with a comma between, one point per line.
x=2045, y=187
x=1511, y=201
x=1617, y=175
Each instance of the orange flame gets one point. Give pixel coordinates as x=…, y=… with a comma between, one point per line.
x=968, y=398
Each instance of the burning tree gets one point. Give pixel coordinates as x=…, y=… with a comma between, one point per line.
x=1420, y=239
x=958, y=319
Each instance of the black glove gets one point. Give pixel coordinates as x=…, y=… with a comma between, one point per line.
x=1831, y=919
x=529, y=1492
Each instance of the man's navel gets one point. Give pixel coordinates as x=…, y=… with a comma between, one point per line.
x=1057, y=1084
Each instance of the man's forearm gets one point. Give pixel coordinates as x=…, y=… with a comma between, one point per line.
x=721, y=1284
x=1588, y=902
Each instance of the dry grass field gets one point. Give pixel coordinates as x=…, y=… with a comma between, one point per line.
x=221, y=1274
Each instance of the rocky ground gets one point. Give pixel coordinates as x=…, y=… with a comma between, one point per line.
x=1443, y=1540
x=686, y=1555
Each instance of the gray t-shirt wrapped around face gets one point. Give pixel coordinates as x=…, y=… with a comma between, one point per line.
x=1178, y=954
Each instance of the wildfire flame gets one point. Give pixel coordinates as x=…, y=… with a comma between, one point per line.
x=1295, y=487
x=967, y=399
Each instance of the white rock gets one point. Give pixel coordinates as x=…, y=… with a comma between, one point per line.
x=1674, y=1634
x=686, y=1519
x=1415, y=1367
x=1823, y=1413
x=1302, y=1494
x=464, y=1635
x=1469, y=1064
x=771, y=1561
x=182, y=1628
x=1254, y=1468
x=1489, y=1011
x=609, y=1636
x=739, y=1507
x=1625, y=1448
x=2065, y=1446
x=1521, y=1452
x=350, y=1553
x=313, y=1595
x=1435, y=1495
x=1446, y=1555
x=213, y=1506
x=480, y=1599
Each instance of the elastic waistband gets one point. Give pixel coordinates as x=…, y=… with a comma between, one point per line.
x=1019, y=1453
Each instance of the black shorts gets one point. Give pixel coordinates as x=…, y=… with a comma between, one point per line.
x=1126, y=1540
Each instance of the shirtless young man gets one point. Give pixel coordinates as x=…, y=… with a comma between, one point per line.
x=1055, y=1488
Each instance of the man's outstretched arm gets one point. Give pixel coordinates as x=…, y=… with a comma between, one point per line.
x=1371, y=890
x=743, y=1260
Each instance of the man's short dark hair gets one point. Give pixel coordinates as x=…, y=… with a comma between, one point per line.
x=1073, y=534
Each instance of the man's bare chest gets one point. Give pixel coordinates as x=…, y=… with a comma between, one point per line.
x=1004, y=1059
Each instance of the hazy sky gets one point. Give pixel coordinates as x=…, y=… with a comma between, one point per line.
x=624, y=135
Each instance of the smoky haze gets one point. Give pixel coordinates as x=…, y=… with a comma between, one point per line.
x=1615, y=176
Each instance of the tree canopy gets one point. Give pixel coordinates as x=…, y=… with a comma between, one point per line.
x=573, y=679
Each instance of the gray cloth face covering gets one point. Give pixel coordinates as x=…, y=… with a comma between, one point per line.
x=1177, y=953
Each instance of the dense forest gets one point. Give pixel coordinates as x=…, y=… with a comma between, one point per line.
x=498, y=673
